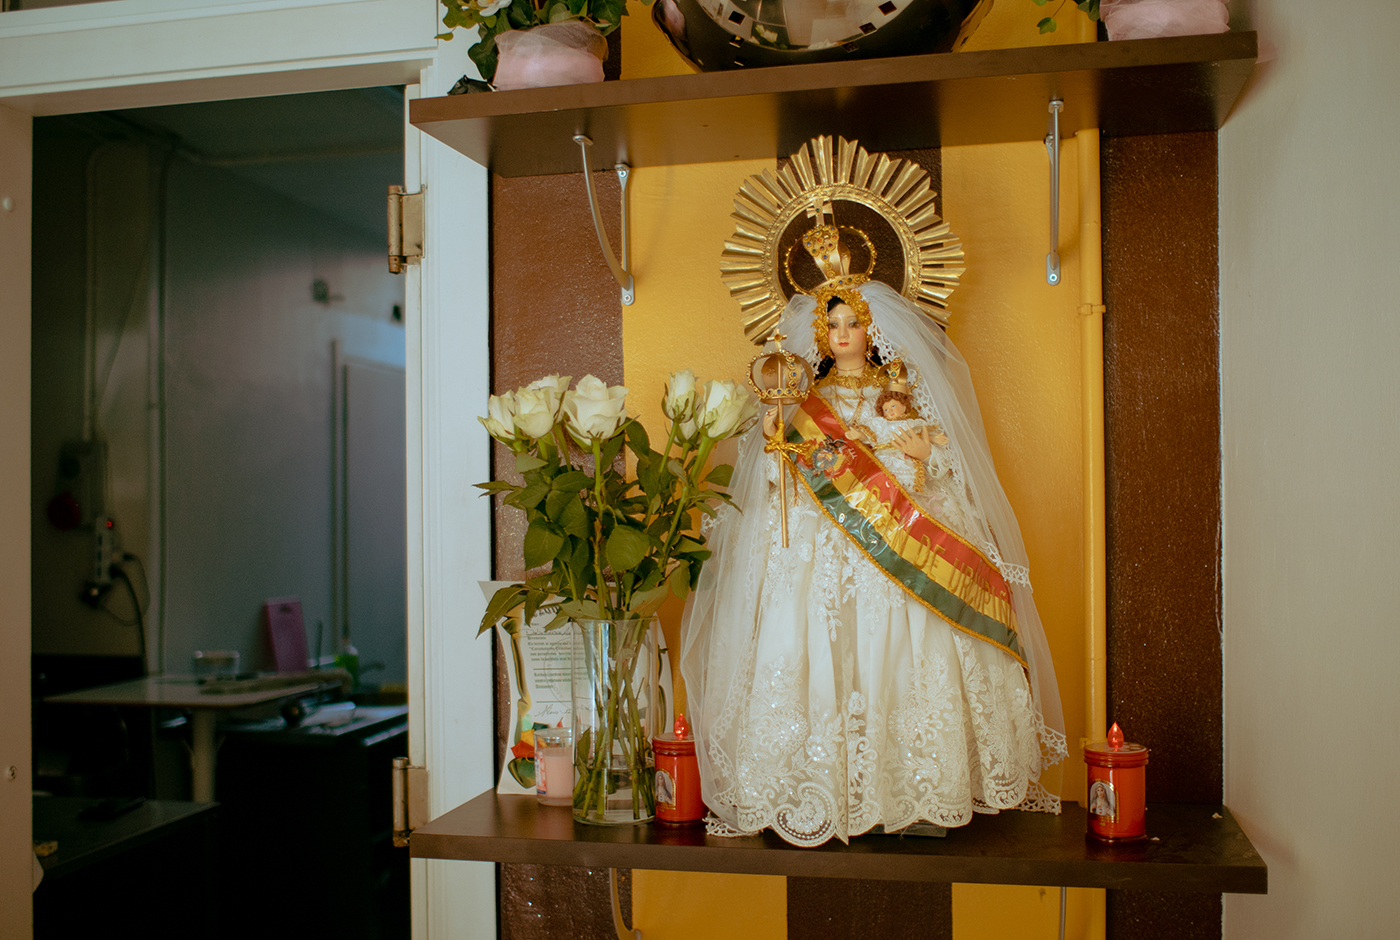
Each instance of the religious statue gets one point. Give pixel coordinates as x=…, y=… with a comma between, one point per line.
x=888, y=666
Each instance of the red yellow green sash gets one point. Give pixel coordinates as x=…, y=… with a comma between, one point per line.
x=933, y=564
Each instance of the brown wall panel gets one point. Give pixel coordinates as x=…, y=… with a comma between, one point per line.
x=1162, y=391
x=1150, y=915
x=847, y=909
x=555, y=308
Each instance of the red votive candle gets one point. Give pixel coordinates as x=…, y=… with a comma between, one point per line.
x=678, y=800
x=1117, y=788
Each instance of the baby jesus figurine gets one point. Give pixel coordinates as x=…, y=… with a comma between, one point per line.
x=896, y=425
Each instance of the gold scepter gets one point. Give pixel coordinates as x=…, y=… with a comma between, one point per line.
x=777, y=378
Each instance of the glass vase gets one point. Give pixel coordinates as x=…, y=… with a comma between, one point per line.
x=615, y=698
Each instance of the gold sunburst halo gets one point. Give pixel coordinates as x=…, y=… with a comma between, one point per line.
x=898, y=190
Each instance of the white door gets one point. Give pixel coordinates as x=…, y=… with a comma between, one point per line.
x=132, y=53
x=16, y=849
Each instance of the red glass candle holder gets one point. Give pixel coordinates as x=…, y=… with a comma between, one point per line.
x=678, y=801
x=1117, y=788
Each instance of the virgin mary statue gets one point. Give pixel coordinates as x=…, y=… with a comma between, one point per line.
x=888, y=666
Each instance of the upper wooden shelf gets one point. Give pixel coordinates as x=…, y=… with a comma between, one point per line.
x=1199, y=848
x=1145, y=86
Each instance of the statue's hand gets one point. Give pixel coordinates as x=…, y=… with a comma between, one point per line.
x=770, y=422
x=915, y=445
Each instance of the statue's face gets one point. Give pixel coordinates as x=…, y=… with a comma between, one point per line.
x=894, y=409
x=846, y=336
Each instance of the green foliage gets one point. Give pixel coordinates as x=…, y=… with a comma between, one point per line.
x=609, y=545
x=1048, y=24
x=490, y=19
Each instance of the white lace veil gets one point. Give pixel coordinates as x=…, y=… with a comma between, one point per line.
x=718, y=625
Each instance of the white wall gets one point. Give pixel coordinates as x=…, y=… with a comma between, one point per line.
x=248, y=399
x=1310, y=332
x=249, y=411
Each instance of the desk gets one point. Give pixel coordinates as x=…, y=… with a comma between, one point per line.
x=204, y=706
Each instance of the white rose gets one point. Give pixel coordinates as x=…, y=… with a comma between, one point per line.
x=537, y=405
x=680, y=395
x=491, y=8
x=594, y=410
x=534, y=416
x=727, y=409
x=556, y=385
x=500, y=417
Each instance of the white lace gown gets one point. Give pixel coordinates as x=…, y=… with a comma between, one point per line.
x=852, y=704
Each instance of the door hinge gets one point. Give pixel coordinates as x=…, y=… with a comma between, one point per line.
x=405, y=229
x=410, y=799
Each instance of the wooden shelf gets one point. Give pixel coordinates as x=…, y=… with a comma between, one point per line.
x=1147, y=86
x=1200, y=848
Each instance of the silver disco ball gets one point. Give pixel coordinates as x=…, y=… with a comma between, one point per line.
x=727, y=34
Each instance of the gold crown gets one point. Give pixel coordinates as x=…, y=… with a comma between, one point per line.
x=833, y=260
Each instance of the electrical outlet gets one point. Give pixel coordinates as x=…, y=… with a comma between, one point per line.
x=104, y=544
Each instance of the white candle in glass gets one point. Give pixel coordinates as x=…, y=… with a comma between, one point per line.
x=554, y=766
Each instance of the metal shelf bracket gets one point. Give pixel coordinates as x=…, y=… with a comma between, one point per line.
x=619, y=925
x=619, y=271
x=1052, y=144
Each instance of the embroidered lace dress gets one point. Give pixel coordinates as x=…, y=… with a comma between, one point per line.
x=827, y=699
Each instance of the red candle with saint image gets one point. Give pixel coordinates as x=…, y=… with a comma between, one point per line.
x=678, y=800
x=1117, y=788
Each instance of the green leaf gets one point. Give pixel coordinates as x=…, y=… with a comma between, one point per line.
x=689, y=545
x=679, y=581
x=572, y=481
x=1090, y=7
x=637, y=438
x=541, y=544
x=533, y=599
x=582, y=609
x=529, y=497
x=574, y=519
x=675, y=467
x=1047, y=25
x=555, y=502
x=502, y=602
x=484, y=55
x=611, y=448
x=720, y=475
x=1039, y=3
x=580, y=561
x=495, y=486
x=561, y=618
x=646, y=603
x=521, y=14
x=626, y=548
x=526, y=462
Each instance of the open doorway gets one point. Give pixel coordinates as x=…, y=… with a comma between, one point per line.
x=218, y=356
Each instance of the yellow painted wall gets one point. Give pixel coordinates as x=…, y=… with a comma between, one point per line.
x=1021, y=340
x=689, y=905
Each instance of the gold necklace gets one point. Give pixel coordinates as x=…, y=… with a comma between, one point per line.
x=871, y=376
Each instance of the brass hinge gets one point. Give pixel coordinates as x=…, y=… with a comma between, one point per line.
x=410, y=799
x=405, y=229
